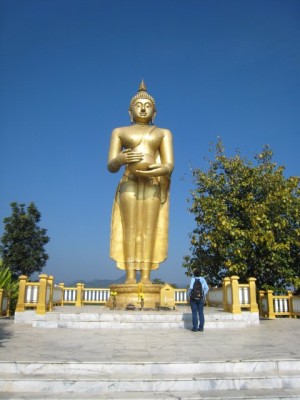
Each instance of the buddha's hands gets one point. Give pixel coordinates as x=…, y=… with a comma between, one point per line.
x=155, y=170
x=128, y=156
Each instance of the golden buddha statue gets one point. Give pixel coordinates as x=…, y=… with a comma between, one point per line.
x=140, y=216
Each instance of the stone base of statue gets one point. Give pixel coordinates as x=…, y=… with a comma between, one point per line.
x=134, y=296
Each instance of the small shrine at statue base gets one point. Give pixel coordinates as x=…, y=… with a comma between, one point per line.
x=131, y=296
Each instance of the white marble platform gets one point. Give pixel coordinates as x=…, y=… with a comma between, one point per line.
x=96, y=369
x=257, y=394
x=257, y=362
x=98, y=378
x=103, y=318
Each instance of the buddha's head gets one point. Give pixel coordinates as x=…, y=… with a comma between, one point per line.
x=142, y=108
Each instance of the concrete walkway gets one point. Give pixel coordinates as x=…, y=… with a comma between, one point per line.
x=273, y=340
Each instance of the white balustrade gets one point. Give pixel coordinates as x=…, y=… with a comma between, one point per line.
x=281, y=305
x=244, y=295
x=296, y=304
x=229, y=295
x=70, y=295
x=57, y=294
x=48, y=294
x=31, y=295
x=96, y=295
x=180, y=295
x=215, y=296
x=264, y=303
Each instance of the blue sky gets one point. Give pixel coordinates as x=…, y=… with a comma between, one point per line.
x=68, y=71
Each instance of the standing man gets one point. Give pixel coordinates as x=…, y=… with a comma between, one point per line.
x=197, y=294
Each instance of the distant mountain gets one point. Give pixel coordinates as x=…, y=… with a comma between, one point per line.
x=97, y=283
x=105, y=283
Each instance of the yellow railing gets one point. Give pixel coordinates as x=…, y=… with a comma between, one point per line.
x=44, y=295
x=35, y=295
x=233, y=296
x=272, y=306
x=239, y=296
x=80, y=295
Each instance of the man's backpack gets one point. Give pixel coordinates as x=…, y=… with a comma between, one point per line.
x=197, y=291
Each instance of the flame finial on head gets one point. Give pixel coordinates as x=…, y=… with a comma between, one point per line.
x=142, y=86
x=142, y=94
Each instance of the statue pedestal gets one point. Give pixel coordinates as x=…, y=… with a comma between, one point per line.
x=128, y=294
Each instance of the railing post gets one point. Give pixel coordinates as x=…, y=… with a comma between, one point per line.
x=22, y=292
x=226, y=282
x=80, y=287
x=290, y=301
x=62, y=285
x=8, y=304
x=235, y=306
x=51, y=282
x=1, y=300
x=41, y=307
x=252, y=293
x=271, y=314
x=261, y=294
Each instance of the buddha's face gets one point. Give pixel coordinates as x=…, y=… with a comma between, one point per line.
x=142, y=111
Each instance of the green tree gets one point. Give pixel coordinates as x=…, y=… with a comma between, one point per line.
x=10, y=286
x=158, y=281
x=247, y=221
x=5, y=276
x=23, y=241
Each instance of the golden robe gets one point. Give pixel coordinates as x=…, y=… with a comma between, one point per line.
x=117, y=239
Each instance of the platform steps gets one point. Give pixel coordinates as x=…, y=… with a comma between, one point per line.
x=136, y=380
x=139, y=320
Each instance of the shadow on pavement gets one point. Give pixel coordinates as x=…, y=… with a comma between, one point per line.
x=5, y=334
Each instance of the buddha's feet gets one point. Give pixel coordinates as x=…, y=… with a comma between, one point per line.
x=130, y=277
x=145, y=277
x=130, y=281
x=146, y=281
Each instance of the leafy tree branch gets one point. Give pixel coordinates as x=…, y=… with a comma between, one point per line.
x=23, y=241
x=247, y=221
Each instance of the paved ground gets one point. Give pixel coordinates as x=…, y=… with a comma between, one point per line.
x=276, y=339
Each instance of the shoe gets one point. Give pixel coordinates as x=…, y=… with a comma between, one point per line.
x=194, y=330
x=200, y=329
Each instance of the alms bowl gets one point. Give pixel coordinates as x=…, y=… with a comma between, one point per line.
x=141, y=165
